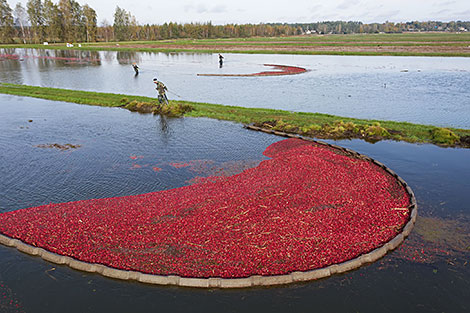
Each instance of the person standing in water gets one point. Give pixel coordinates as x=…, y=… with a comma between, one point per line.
x=161, y=88
x=221, y=60
x=136, y=68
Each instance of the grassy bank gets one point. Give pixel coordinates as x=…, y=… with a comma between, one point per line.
x=406, y=44
x=268, y=49
x=311, y=124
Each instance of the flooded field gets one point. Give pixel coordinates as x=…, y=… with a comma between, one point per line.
x=425, y=90
x=57, y=152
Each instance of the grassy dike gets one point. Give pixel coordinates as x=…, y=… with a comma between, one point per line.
x=269, y=49
x=405, y=44
x=316, y=125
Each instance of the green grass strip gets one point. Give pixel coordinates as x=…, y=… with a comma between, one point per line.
x=194, y=49
x=325, y=125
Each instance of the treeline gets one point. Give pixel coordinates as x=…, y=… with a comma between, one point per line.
x=341, y=27
x=69, y=21
x=125, y=27
x=41, y=21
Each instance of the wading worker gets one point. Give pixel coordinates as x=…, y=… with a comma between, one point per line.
x=221, y=60
x=161, y=88
x=136, y=68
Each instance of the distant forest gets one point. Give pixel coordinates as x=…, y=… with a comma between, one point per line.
x=68, y=21
x=341, y=27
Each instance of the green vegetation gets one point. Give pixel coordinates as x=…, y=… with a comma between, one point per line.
x=447, y=233
x=67, y=21
x=401, y=37
x=444, y=136
x=132, y=103
x=355, y=39
x=6, y=22
x=406, y=44
x=174, y=109
x=46, y=21
x=217, y=49
x=309, y=124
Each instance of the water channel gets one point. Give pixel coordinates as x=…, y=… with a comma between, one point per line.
x=425, y=90
x=122, y=153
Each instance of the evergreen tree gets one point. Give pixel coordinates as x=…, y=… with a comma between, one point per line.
x=6, y=22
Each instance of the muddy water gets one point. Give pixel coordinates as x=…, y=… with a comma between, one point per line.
x=415, y=89
x=113, y=152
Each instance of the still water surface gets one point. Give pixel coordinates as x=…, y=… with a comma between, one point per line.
x=123, y=153
x=425, y=90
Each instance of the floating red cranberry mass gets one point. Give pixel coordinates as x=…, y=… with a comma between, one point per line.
x=307, y=207
x=280, y=70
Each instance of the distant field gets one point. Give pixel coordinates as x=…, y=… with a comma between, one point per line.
x=436, y=38
x=406, y=44
x=419, y=44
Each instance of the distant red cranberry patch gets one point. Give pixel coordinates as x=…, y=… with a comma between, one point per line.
x=279, y=70
x=307, y=207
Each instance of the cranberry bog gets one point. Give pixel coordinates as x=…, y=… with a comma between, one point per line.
x=280, y=70
x=310, y=211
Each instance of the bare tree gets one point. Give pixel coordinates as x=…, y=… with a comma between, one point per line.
x=105, y=30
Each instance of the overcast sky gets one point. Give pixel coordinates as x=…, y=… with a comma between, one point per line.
x=290, y=11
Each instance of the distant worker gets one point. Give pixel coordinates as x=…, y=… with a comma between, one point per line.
x=136, y=68
x=161, y=88
x=221, y=60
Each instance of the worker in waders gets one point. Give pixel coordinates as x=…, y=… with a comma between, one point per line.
x=136, y=68
x=221, y=60
x=161, y=88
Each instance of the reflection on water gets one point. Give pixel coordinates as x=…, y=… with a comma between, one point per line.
x=70, y=57
x=128, y=57
x=123, y=153
x=46, y=144
x=416, y=89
